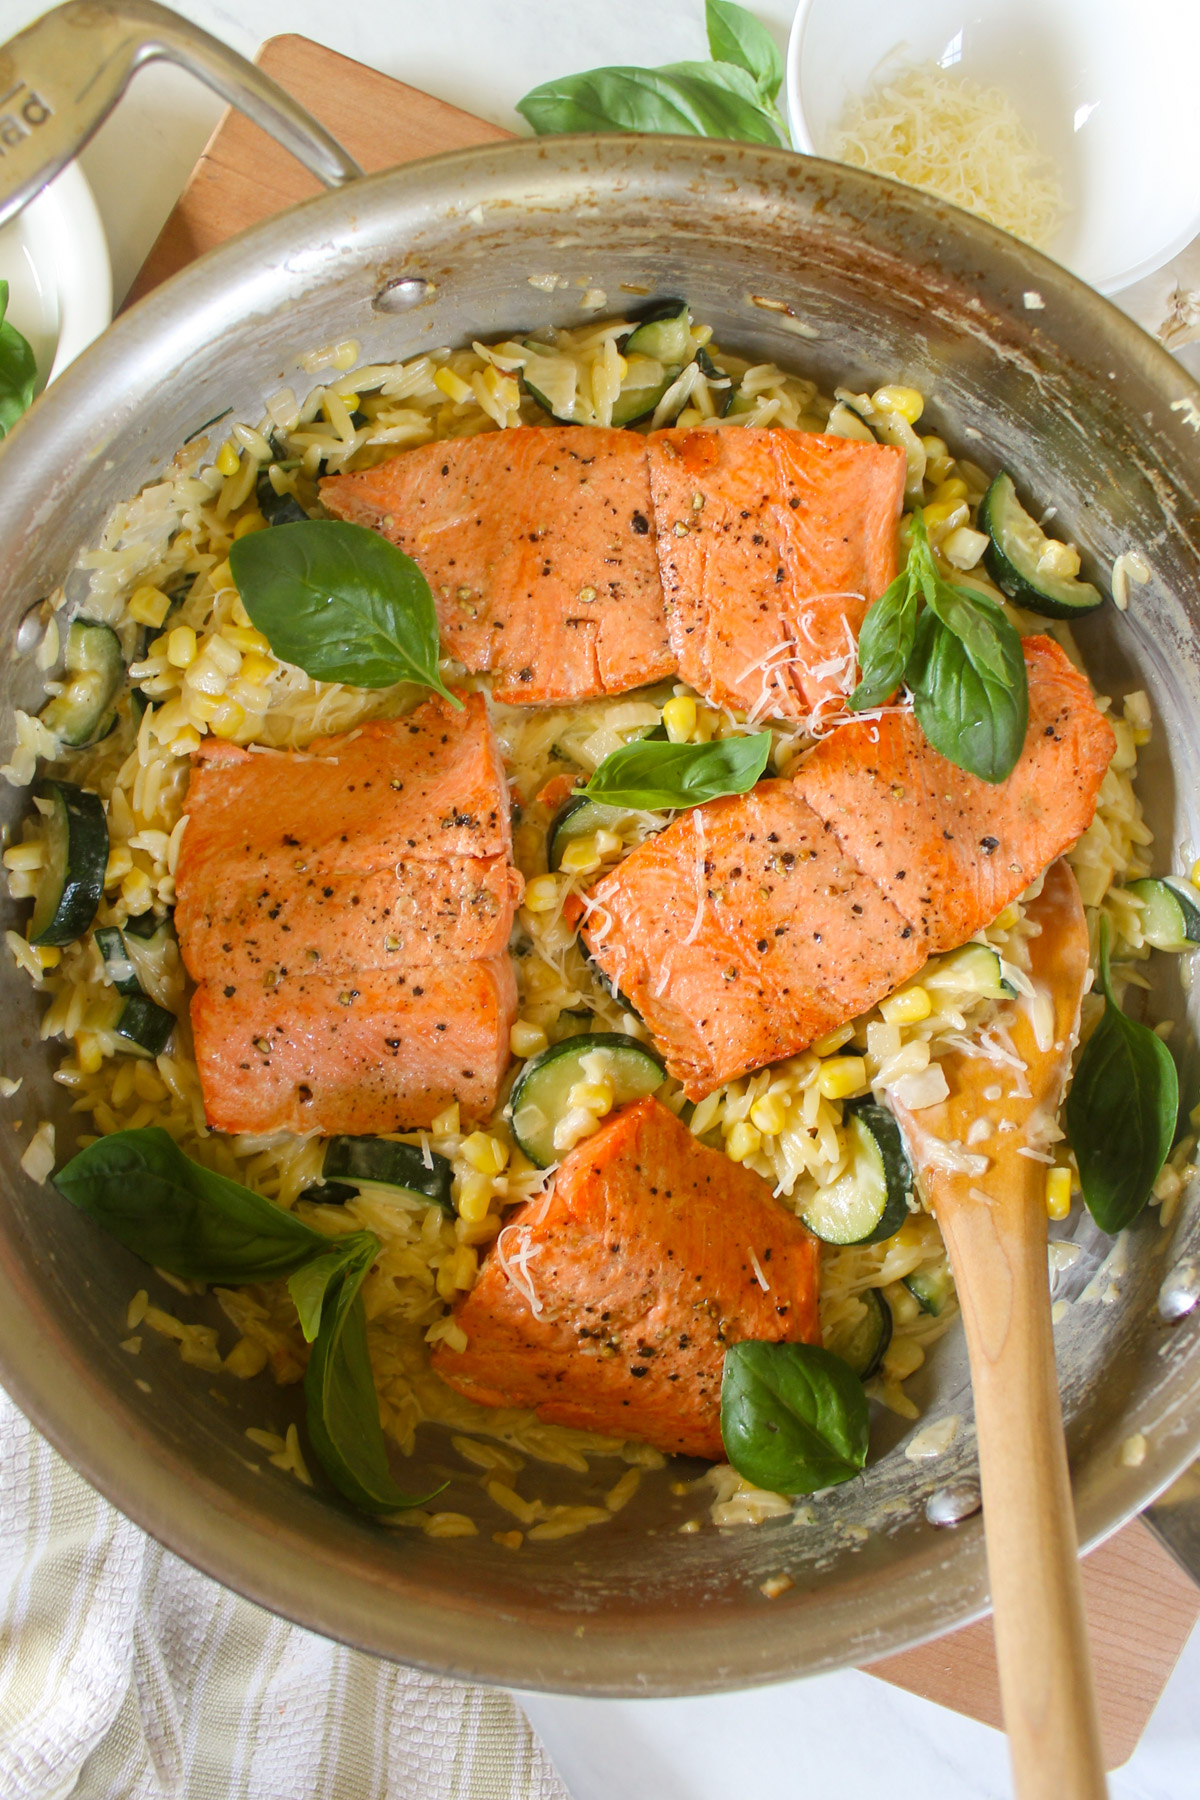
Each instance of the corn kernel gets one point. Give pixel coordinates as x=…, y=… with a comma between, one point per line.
x=526, y=1040
x=581, y=856
x=1058, y=1193
x=149, y=606
x=743, y=1141
x=833, y=1040
x=954, y=489
x=1007, y=919
x=137, y=891
x=541, y=894
x=247, y=1358
x=181, y=647
x=246, y=639
x=446, y=1123
x=484, y=1153
x=445, y=1280
x=474, y=1196
x=257, y=669
x=770, y=1113
x=228, y=718
x=841, y=1076
x=185, y=741
x=466, y=1266
x=679, y=717
x=477, y=1231
x=120, y=861
x=1058, y=561
x=608, y=843
x=904, y=400
x=249, y=522
x=49, y=955
x=228, y=460
x=595, y=1097
x=349, y=401
x=941, y=510
x=1196, y=872
x=88, y=1053
x=934, y=448
x=453, y=386
x=906, y=1007
x=222, y=577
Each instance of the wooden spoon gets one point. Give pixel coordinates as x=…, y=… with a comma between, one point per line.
x=995, y=1227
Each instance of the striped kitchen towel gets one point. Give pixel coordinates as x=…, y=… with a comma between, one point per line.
x=126, y=1675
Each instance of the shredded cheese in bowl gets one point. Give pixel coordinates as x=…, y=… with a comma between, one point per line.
x=954, y=137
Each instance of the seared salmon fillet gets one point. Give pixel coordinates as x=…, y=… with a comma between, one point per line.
x=607, y=1303
x=363, y=1053
x=758, y=923
x=743, y=932
x=947, y=849
x=538, y=544
x=349, y=907
x=772, y=545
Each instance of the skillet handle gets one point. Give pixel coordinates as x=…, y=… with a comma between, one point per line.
x=61, y=77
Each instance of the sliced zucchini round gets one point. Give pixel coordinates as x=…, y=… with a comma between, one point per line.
x=932, y=1286
x=862, y=1344
x=844, y=422
x=1170, y=912
x=633, y=404
x=95, y=668
x=724, y=396
x=541, y=1094
x=578, y=818
x=663, y=332
x=148, y=925
x=117, y=966
x=870, y=1201
x=975, y=970
x=72, y=880
x=377, y=1164
x=277, y=509
x=145, y=1025
x=1020, y=557
x=329, y=1193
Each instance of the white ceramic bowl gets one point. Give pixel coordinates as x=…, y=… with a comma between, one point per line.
x=54, y=256
x=1107, y=86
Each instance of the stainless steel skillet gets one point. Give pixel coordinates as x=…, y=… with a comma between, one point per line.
x=812, y=265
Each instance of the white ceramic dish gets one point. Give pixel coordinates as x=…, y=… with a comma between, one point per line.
x=1108, y=88
x=54, y=257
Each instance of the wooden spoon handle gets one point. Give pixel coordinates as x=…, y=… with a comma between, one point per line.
x=1041, y=1635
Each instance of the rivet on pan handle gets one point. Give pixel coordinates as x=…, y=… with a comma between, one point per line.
x=62, y=76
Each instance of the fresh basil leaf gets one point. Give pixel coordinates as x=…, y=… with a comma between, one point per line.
x=342, y=1406
x=735, y=36
x=309, y=1284
x=651, y=775
x=1122, y=1110
x=983, y=628
x=885, y=643
x=921, y=567
x=341, y=603
x=693, y=98
x=181, y=1217
x=974, y=719
x=18, y=370
x=793, y=1417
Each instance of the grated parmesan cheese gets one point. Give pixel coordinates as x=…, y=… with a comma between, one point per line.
x=951, y=136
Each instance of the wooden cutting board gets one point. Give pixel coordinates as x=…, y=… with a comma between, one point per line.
x=1141, y=1606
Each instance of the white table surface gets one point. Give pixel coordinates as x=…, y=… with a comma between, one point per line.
x=834, y=1736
